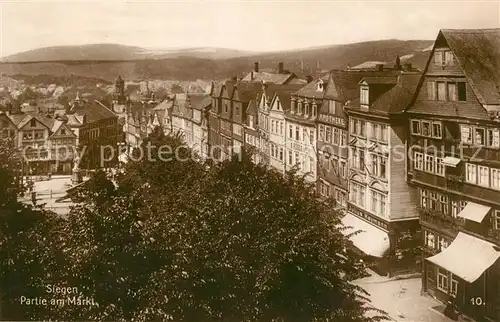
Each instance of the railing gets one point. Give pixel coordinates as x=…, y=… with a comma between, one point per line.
x=439, y=218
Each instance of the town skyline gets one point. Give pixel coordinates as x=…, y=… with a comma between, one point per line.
x=278, y=26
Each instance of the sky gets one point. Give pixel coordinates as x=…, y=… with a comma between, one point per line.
x=245, y=25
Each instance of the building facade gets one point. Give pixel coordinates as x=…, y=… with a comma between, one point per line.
x=380, y=202
x=455, y=167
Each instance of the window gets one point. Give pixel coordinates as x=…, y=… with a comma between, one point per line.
x=436, y=130
x=378, y=203
x=441, y=91
x=496, y=218
x=431, y=91
x=237, y=110
x=342, y=169
x=448, y=57
x=383, y=133
x=462, y=93
x=466, y=134
x=354, y=127
x=290, y=157
x=479, y=136
x=343, y=138
x=383, y=167
x=331, y=107
x=364, y=95
x=483, y=177
x=426, y=128
x=281, y=127
x=375, y=163
x=300, y=108
x=415, y=127
x=328, y=134
x=311, y=136
x=290, y=132
x=438, y=58
x=470, y=176
x=442, y=280
x=424, y=198
x=250, y=121
x=452, y=91
x=362, y=128
x=272, y=126
x=453, y=286
x=430, y=239
x=493, y=138
x=321, y=132
x=442, y=243
x=297, y=158
x=439, y=166
x=297, y=134
x=304, y=134
x=307, y=110
x=418, y=161
x=457, y=207
x=429, y=163
x=361, y=160
x=495, y=178
x=442, y=204
x=33, y=122
x=336, y=137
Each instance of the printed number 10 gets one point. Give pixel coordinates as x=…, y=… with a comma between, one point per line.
x=477, y=301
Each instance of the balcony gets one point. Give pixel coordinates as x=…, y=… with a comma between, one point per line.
x=440, y=220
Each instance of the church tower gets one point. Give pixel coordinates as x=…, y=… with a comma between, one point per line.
x=119, y=98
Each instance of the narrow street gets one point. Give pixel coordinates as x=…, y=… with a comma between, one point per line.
x=401, y=299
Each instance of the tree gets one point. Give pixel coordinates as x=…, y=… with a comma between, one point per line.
x=28, y=244
x=186, y=241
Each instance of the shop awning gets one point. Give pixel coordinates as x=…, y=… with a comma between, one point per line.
x=474, y=212
x=370, y=240
x=467, y=257
x=451, y=161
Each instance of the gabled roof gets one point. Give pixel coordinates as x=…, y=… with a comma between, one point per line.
x=40, y=119
x=199, y=101
x=343, y=85
x=252, y=107
x=94, y=111
x=397, y=99
x=268, y=77
x=478, y=53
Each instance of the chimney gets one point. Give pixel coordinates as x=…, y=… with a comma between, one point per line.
x=407, y=67
x=256, y=67
x=379, y=67
x=397, y=65
x=280, y=68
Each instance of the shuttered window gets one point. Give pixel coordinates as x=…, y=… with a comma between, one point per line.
x=431, y=90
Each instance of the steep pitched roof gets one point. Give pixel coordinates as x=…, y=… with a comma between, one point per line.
x=397, y=99
x=94, y=111
x=478, y=53
x=199, y=101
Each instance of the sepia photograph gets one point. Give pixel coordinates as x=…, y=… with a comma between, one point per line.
x=250, y=160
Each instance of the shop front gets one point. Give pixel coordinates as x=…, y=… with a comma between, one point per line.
x=466, y=273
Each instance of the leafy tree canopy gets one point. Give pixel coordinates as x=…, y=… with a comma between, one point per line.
x=190, y=241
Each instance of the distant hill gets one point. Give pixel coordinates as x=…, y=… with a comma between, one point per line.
x=115, y=52
x=191, y=67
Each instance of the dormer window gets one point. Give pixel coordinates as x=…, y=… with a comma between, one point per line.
x=33, y=123
x=443, y=57
x=314, y=110
x=319, y=86
x=307, y=110
x=364, y=95
x=299, y=108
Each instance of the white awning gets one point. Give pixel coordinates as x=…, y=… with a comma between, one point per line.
x=474, y=212
x=371, y=240
x=451, y=161
x=467, y=257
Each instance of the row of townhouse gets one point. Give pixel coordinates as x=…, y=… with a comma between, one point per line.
x=50, y=142
x=412, y=158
